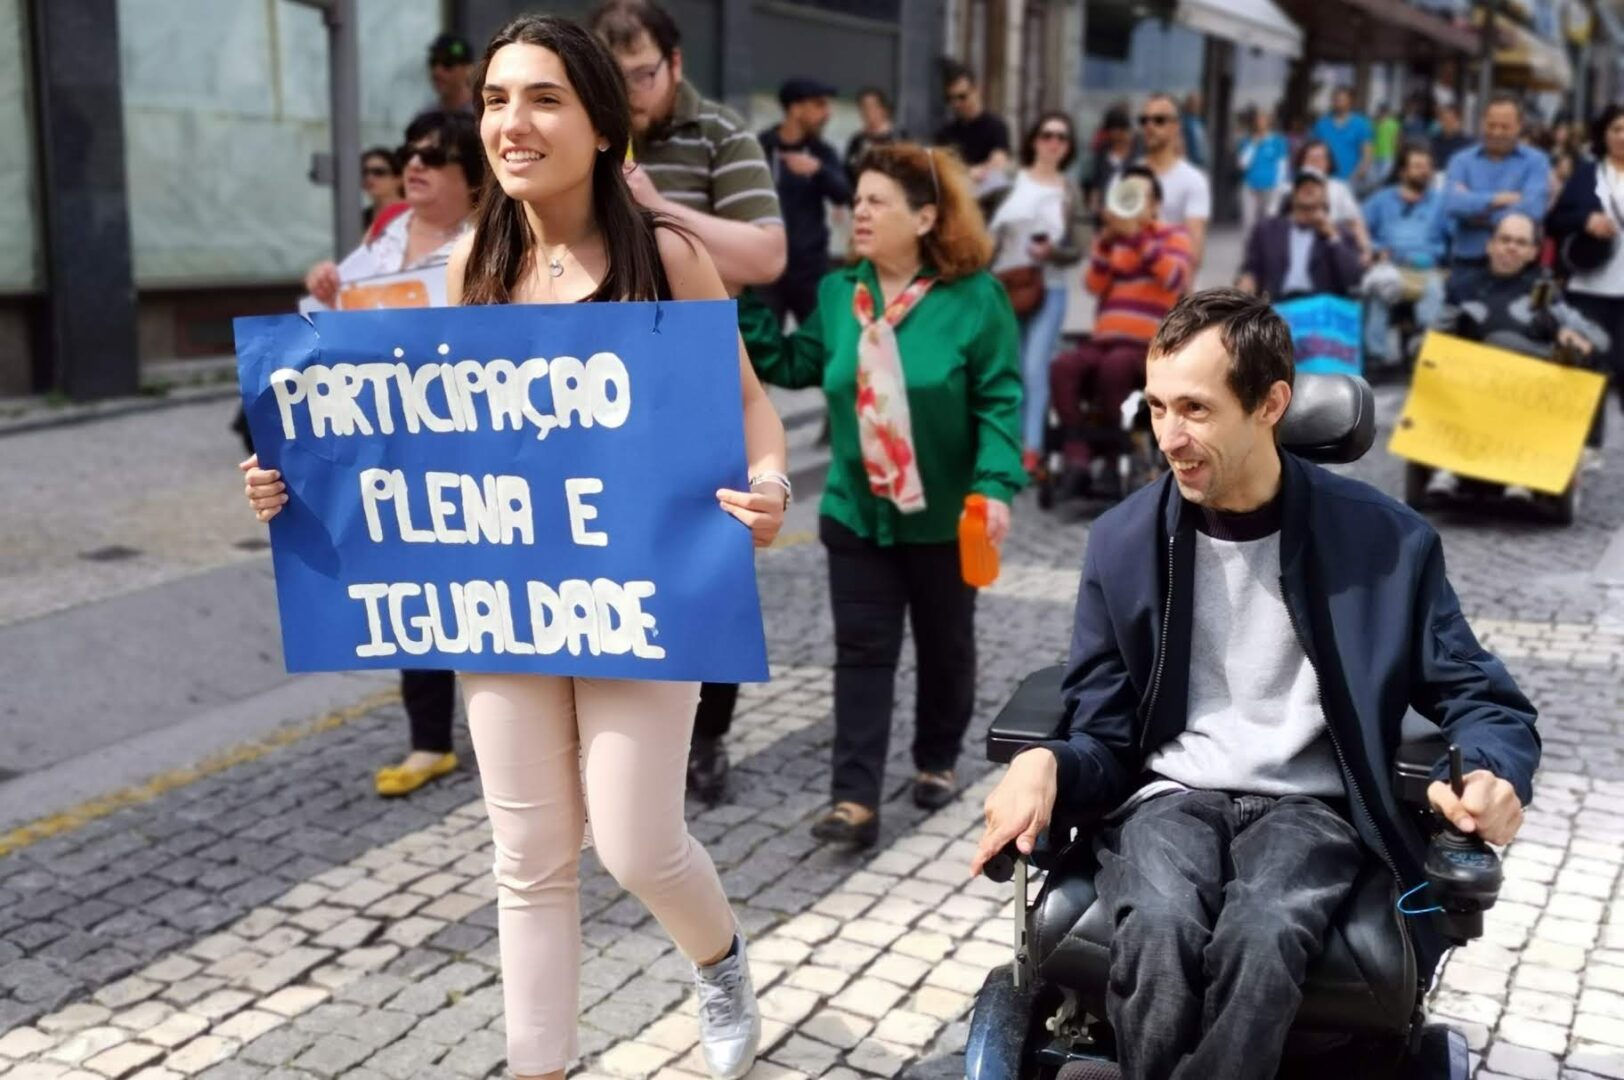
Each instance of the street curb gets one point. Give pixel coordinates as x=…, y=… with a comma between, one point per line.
x=72, y=415
x=44, y=828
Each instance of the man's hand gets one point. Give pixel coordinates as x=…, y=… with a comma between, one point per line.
x=643, y=189
x=1020, y=806
x=1488, y=806
x=1574, y=340
x=1505, y=198
x=800, y=163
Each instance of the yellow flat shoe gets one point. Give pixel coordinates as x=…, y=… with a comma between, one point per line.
x=394, y=781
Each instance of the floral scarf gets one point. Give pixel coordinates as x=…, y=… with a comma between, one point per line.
x=884, y=426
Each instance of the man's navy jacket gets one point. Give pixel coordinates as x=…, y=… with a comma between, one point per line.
x=1363, y=579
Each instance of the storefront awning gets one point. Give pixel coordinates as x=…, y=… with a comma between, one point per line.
x=1256, y=24
x=1343, y=31
x=1523, y=59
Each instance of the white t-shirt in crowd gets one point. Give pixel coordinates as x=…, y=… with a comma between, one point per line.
x=1608, y=278
x=1185, y=194
x=1029, y=209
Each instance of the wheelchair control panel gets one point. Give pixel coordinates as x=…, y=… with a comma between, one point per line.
x=1463, y=872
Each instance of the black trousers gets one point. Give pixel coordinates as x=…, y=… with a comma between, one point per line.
x=714, y=716
x=430, y=698
x=795, y=293
x=1218, y=904
x=871, y=589
x=1608, y=313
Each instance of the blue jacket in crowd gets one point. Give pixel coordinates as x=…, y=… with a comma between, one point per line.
x=1473, y=179
x=1363, y=579
x=1412, y=233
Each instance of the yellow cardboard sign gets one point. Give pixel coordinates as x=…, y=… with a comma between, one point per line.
x=1496, y=415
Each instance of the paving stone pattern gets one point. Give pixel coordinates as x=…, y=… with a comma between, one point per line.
x=277, y=920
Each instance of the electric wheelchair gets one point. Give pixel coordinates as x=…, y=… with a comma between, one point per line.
x=1363, y=1008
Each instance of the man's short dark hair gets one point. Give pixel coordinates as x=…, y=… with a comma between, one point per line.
x=1505, y=97
x=1253, y=334
x=619, y=23
x=878, y=95
x=1409, y=150
x=956, y=72
x=1163, y=95
x=1305, y=177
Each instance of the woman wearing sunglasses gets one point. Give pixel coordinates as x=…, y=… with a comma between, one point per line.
x=557, y=224
x=380, y=179
x=442, y=166
x=1038, y=229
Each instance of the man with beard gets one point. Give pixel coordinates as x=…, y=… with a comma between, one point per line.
x=1407, y=236
x=697, y=162
x=808, y=173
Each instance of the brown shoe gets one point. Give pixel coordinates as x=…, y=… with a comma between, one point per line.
x=934, y=790
x=848, y=823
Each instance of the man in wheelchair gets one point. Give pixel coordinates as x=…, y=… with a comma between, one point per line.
x=1249, y=632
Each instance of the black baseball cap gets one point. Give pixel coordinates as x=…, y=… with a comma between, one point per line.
x=449, y=50
x=795, y=90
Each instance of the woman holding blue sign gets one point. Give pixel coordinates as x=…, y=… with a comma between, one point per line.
x=558, y=224
x=916, y=312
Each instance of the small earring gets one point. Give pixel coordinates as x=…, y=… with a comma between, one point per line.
x=602, y=147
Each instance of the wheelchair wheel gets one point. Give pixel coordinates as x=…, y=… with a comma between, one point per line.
x=1440, y=1053
x=1000, y=1025
x=1564, y=509
x=1416, y=478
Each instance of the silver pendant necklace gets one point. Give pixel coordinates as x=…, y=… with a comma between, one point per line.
x=556, y=268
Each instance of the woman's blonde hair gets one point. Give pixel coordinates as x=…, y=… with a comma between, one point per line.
x=958, y=244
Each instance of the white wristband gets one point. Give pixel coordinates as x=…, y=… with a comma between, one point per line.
x=778, y=479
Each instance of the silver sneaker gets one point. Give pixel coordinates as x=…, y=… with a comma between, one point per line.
x=729, y=1020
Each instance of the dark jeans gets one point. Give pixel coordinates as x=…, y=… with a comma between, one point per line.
x=871, y=588
x=1218, y=903
x=795, y=293
x=714, y=716
x=431, y=698
x=1103, y=373
x=1608, y=313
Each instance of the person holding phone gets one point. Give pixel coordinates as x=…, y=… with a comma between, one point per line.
x=1304, y=251
x=1038, y=228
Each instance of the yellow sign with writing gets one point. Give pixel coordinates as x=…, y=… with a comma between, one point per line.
x=1496, y=415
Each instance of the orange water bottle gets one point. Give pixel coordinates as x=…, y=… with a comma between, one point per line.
x=978, y=556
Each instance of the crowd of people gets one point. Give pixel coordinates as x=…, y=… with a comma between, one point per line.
x=938, y=346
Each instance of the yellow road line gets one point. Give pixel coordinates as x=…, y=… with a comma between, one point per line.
x=100, y=807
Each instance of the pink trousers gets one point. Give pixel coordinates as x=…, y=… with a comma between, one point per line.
x=531, y=734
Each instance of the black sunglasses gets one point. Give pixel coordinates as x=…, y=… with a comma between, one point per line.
x=1055, y=135
x=379, y=171
x=1147, y=119
x=433, y=155
x=962, y=95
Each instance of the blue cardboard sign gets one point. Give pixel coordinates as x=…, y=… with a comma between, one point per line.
x=1327, y=333
x=516, y=488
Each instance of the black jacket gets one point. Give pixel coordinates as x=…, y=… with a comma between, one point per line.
x=1333, y=266
x=1363, y=578
x=806, y=225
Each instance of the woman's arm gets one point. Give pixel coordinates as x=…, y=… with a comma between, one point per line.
x=692, y=276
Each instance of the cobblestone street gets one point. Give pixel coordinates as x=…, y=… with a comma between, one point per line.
x=270, y=917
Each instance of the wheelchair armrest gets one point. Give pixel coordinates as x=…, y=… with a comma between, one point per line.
x=1034, y=713
x=1412, y=766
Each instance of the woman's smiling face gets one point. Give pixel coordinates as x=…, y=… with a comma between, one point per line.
x=537, y=135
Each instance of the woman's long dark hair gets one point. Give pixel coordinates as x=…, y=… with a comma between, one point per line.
x=502, y=247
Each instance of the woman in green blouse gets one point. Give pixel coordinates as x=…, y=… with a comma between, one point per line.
x=918, y=353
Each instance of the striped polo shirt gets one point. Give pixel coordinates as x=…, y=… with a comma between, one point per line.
x=708, y=160
x=1138, y=280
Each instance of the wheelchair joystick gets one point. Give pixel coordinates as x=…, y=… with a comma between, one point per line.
x=1463, y=873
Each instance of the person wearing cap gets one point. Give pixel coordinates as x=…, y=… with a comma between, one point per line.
x=808, y=173
x=451, y=62
x=1139, y=267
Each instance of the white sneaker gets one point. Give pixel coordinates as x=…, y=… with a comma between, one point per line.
x=1443, y=482
x=1518, y=493
x=1592, y=459
x=729, y=1019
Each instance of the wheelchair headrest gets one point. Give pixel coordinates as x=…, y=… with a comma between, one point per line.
x=1331, y=419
